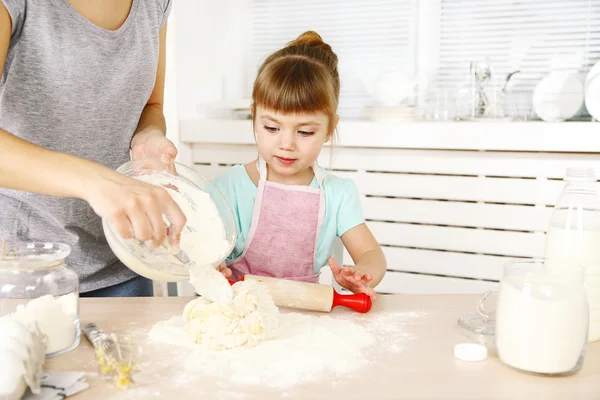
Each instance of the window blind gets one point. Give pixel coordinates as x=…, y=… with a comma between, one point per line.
x=533, y=36
x=369, y=37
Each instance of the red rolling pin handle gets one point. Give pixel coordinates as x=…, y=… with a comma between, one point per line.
x=358, y=302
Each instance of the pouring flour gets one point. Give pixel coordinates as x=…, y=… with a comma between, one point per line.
x=207, y=238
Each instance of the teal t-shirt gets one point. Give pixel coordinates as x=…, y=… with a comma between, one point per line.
x=342, y=211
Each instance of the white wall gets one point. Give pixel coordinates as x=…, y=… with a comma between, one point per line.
x=209, y=51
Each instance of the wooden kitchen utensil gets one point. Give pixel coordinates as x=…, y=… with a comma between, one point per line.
x=310, y=296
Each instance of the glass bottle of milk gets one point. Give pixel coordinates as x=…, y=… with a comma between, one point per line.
x=574, y=235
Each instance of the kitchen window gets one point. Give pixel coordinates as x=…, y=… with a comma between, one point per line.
x=435, y=40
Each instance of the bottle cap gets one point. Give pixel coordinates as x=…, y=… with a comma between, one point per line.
x=470, y=352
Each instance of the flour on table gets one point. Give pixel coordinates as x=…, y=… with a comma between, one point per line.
x=307, y=348
x=249, y=318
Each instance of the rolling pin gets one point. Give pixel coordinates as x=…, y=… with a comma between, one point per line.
x=310, y=296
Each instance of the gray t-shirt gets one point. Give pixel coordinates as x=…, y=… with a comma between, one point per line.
x=71, y=86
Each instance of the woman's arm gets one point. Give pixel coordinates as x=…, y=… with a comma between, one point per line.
x=149, y=138
x=131, y=206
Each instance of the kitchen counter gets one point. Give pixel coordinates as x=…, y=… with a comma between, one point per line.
x=424, y=369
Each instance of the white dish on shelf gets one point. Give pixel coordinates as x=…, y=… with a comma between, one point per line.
x=592, y=97
x=393, y=88
x=593, y=72
x=558, y=96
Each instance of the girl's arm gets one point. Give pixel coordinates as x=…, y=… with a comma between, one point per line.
x=369, y=262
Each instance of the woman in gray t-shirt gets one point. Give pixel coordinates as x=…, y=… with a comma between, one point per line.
x=81, y=84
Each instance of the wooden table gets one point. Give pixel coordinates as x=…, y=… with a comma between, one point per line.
x=426, y=369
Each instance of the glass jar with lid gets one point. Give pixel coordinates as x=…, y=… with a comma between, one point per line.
x=37, y=286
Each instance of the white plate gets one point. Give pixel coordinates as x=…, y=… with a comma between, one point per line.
x=594, y=71
x=592, y=97
x=558, y=96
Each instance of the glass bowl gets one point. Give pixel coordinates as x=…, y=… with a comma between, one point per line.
x=158, y=263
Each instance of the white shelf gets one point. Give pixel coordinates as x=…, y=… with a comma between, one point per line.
x=495, y=136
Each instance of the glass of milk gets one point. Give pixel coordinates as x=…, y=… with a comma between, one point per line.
x=542, y=317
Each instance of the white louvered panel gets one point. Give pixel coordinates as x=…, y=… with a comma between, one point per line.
x=495, y=216
x=534, y=36
x=398, y=282
x=445, y=263
x=435, y=195
x=530, y=165
x=495, y=190
x=509, y=243
x=368, y=37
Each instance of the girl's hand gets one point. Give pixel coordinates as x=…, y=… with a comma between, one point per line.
x=225, y=271
x=355, y=281
x=153, y=144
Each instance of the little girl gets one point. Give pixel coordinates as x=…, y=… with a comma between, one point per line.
x=289, y=211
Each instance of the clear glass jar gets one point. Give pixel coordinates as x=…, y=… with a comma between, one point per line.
x=574, y=235
x=37, y=286
x=542, y=317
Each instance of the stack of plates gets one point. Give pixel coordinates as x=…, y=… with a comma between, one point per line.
x=393, y=114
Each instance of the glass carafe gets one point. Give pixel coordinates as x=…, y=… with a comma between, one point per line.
x=574, y=235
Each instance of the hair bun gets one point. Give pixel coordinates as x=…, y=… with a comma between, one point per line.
x=311, y=39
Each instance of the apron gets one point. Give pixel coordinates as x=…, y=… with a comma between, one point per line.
x=286, y=222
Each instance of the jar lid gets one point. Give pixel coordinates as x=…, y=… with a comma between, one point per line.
x=207, y=238
x=470, y=352
x=32, y=255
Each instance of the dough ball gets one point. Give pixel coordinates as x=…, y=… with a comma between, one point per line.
x=248, y=319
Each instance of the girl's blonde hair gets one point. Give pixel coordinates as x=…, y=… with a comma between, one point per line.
x=301, y=78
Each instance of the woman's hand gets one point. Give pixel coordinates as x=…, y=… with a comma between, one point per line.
x=153, y=144
x=355, y=281
x=135, y=208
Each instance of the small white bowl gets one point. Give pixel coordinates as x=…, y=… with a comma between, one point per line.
x=558, y=96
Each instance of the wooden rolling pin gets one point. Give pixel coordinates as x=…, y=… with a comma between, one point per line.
x=310, y=296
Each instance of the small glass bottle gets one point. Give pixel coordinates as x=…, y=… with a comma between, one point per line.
x=36, y=286
x=574, y=235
